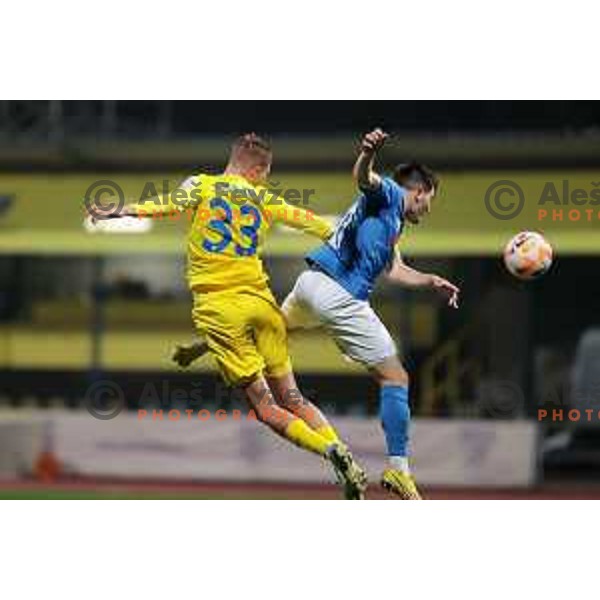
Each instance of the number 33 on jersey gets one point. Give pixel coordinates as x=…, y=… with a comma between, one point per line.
x=226, y=238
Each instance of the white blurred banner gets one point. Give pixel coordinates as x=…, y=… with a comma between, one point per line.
x=446, y=452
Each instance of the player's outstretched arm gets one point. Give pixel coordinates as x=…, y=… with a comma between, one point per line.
x=133, y=209
x=182, y=198
x=161, y=204
x=406, y=276
x=363, y=172
x=303, y=220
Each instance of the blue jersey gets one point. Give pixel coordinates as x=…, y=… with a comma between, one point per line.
x=363, y=243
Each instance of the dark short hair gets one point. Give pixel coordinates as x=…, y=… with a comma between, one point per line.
x=251, y=148
x=411, y=174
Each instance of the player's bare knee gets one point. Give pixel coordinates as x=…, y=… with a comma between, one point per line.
x=397, y=378
x=260, y=397
x=391, y=372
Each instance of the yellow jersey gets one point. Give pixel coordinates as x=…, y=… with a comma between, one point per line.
x=230, y=218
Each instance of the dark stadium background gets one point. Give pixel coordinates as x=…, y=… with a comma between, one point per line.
x=189, y=118
x=76, y=308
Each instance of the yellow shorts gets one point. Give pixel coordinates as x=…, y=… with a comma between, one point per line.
x=245, y=332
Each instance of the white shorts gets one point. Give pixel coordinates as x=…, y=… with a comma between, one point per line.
x=318, y=300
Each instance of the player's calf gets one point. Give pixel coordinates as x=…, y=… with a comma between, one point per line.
x=289, y=397
x=282, y=421
x=295, y=429
x=395, y=419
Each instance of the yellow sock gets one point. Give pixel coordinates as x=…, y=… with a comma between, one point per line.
x=302, y=435
x=329, y=433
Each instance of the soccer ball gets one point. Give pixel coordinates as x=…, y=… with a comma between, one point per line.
x=528, y=255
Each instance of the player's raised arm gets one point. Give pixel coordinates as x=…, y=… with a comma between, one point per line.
x=366, y=178
x=401, y=273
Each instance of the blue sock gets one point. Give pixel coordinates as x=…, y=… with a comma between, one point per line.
x=395, y=418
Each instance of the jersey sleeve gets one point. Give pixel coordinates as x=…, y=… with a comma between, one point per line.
x=186, y=196
x=386, y=194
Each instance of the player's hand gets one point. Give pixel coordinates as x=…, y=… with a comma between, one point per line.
x=185, y=354
x=101, y=213
x=373, y=141
x=447, y=289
